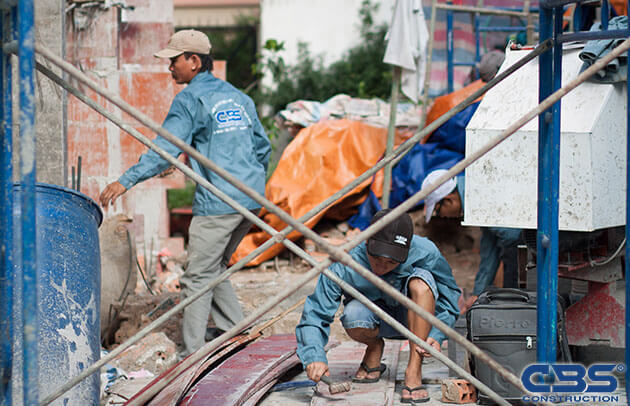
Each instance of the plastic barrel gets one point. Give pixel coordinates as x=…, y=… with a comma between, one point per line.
x=68, y=303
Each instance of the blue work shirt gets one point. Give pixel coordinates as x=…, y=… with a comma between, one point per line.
x=221, y=123
x=319, y=309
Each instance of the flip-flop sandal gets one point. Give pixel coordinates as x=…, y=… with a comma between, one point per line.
x=411, y=391
x=381, y=368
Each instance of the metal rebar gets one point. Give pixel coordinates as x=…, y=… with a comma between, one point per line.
x=79, y=174
x=26, y=55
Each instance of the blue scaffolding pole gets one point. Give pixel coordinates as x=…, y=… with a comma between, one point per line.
x=548, y=181
x=550, y=69
x=450, y=41
x=26, y=56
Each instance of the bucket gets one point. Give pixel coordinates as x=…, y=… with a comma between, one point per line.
x=68, y=304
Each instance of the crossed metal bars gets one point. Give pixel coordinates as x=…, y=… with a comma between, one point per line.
x=337, y=253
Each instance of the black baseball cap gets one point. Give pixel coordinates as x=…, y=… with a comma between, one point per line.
x=394, y=240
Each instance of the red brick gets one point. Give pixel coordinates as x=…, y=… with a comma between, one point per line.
x=458, y=391
x=90, y=142
x=131, y=149
x=149, y=92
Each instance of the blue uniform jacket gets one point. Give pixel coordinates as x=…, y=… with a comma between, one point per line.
x=320, y=307
x=220, y=122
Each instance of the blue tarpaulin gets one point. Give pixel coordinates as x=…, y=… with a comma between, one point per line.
x=447, y=146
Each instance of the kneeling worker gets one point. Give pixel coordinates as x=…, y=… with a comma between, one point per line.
x=497, y=243
x=411, y=264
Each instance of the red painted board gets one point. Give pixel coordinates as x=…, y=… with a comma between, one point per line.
x=174, y=390
x=268, y=380
x=203, y=368
x=232, y=381
x=343, y=363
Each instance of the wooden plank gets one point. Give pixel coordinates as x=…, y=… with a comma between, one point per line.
x=231, y=382
x=343, y=362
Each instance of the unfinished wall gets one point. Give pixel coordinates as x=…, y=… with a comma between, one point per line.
x=115, y=47
x=50, y=99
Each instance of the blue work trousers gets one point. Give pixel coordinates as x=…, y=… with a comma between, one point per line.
x=497, y=243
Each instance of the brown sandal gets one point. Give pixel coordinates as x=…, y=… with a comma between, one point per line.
x=411, y=391
x=381, y=368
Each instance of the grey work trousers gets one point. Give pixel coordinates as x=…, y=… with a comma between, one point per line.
x=211, y=242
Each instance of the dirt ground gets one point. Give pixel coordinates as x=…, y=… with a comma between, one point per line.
x=255, y=286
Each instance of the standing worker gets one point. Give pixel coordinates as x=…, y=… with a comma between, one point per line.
x=496, y=242
x=411, y=264
x=220, y=122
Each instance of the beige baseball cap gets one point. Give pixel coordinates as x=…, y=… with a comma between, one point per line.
x=185, y=41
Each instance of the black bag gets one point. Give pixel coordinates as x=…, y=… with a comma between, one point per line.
x=502, y=323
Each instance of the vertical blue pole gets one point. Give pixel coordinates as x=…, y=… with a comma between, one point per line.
x=546, y=260
x=26, y=45
x=6, y=215
x=449, y=47
x=605, y=13
x=551, y=300
x=577, y=18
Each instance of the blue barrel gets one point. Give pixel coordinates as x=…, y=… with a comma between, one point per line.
x=69, y=287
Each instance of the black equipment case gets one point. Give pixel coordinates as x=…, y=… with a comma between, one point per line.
x=502, y=323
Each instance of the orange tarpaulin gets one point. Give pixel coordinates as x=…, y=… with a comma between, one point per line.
x=620, y=6
x=321, y=159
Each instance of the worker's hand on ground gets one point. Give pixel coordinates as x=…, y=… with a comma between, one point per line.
x=111, y=193
x=433, y=343
x=315, y=370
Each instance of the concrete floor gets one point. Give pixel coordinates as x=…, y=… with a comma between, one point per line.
x=433, y=373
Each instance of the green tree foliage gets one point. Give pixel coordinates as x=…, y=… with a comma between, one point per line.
x=360, y=73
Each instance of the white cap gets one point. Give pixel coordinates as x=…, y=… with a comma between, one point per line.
x=438, y=194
